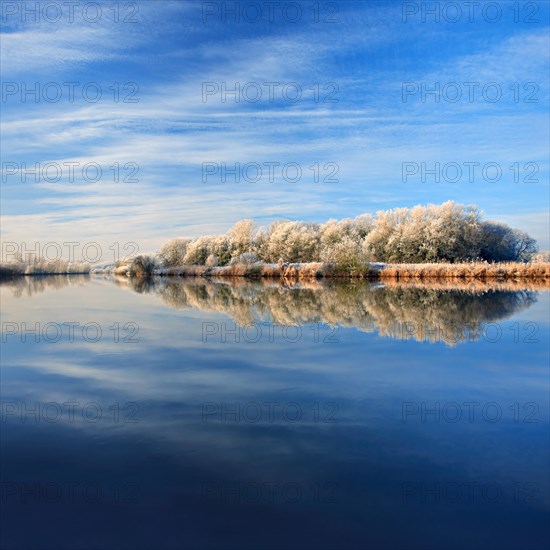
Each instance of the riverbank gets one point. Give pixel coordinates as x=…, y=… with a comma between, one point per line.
x=483, y=271
x=459, y=271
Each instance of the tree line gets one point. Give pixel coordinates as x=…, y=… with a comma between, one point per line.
x=449, y=232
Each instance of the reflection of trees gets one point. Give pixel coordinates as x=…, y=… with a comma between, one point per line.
x=401, y=311
x=449, y=315
x=35, y=284
x=433, y=312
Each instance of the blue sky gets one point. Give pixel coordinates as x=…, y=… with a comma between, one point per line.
x=359, y=54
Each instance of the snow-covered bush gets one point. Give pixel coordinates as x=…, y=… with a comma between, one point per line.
x=142, y=266
x=246, y=258
x=541, y=257
x=211, y=261
x=346, y=254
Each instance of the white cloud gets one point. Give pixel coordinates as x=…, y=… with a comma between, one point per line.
x=171, y=132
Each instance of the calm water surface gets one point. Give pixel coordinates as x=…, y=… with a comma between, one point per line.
x=249, y=415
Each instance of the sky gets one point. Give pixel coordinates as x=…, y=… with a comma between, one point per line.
x=338, y=108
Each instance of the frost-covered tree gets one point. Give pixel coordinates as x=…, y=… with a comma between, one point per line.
x=449, y=232
x=446, y=232
x=376, y=242
x=342, y=242
x=241, y=238
x=409, y=243
x=292, y=242
x=542, y=256
x=197, y=251
x=452, y=232
x=346, y=254
x=173, y=252
x=142, y=266
x=220, y=246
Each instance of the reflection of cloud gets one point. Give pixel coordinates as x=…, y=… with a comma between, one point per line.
x=171, y=372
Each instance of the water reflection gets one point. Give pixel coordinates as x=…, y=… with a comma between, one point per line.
x=197, y=467
x=423, y=312
x=37, y=284
x=437, y=311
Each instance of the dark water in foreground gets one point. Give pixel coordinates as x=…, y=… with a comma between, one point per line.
x=216, y=415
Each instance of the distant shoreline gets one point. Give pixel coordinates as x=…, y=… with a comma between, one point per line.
x=6, y=275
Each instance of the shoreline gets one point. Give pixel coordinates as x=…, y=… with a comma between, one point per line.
x=504, y=271
x=406, y=272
